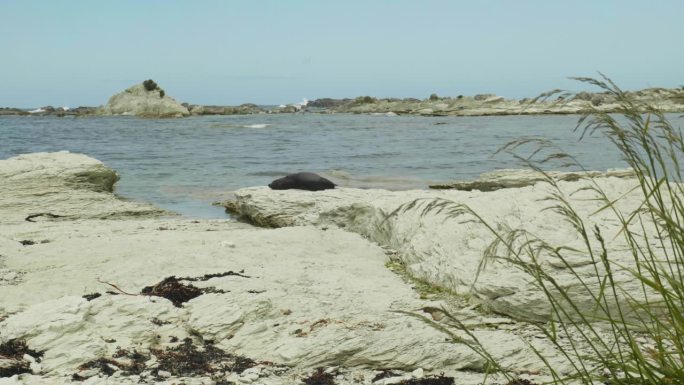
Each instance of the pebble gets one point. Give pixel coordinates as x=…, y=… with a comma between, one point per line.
x=29, y=358
x=251, y=371
x=249, y=377
x=164, y=374
x=418, y=373
x=36, y=368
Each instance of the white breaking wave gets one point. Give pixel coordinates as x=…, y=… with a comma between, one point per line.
x=263, y=125
x=297, y=106
x=36, y=111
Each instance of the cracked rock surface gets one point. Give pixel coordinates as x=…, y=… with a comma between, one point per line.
x=447, y=252
x=307, y=296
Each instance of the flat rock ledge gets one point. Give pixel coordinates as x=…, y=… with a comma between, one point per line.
x=272, y=305
x=515, y=178
x=447, y=252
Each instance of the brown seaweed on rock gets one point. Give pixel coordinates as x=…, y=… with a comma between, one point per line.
x=171, y=289
x=183, y=360
x=12, y=352
x=187, y=360
x=431, y=380
x=319, y=377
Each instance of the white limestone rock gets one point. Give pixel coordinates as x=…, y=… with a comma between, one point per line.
x=309, y=296
x=64, y=185
x=447, y=252
x=314, y=298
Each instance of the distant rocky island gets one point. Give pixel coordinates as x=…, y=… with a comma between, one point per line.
x=146, y=100
x=149, y=100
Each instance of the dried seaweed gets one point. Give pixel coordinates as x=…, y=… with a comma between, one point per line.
x=386, y=373
x=183, y=360
x=174, y=290
x=171, y=289
x=159, y=322
x=92, y=296
x=187, y=360
x=520, y=382
x=431, y=380
x=17, y=367
x=319, y=377
x=129, y=363
x=104, y=365
x=14, y=350
x=207, y=277
x=241, y=364
x=49, y=215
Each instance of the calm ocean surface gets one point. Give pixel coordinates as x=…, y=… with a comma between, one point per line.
x=185, y=164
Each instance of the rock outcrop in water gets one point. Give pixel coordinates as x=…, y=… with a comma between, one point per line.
x=153, y=103
x=243, y=109
x=12, y=111
x=667, y=100
x=146, y=100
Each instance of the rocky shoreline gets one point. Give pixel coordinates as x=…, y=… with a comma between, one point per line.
x=99, y=290
x=153, y=103
x=446, y=253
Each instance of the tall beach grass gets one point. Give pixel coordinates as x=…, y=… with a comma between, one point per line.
x=625, y=336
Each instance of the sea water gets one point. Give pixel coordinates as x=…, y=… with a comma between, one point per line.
x=185, y=164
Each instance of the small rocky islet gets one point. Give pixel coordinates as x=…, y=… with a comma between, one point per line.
x=149, y=100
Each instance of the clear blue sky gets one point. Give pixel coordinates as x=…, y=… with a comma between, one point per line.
x=271, y=52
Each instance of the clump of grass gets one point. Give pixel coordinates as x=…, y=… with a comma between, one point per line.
x=151, y=85
x=624, y=336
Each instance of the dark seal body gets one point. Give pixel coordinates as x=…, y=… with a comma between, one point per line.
x=302, y=181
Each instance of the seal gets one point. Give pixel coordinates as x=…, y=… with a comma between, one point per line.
x=302, y=181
